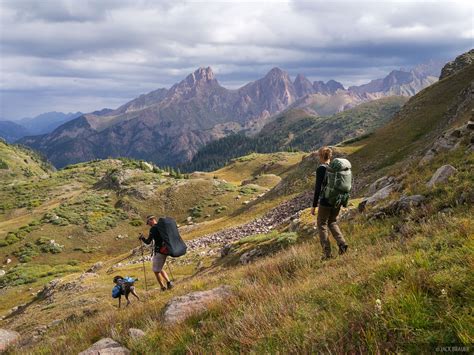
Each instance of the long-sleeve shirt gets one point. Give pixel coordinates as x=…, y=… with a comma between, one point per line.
x=320, y=175
x=154, y=235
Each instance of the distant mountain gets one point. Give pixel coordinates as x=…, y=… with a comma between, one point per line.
x=398, y=82
x=47, y=122
x=168, y=126
x=11, y=131
x=296, y=129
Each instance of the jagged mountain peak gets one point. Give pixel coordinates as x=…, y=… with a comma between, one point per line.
x=201, y=75
x=277, y=73
x=302, y=85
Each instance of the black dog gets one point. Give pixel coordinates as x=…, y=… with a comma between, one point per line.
x=126, y=285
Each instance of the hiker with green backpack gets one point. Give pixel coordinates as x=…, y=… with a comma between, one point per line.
x=333, y=184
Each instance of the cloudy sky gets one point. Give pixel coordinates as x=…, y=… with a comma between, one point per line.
x=69, y=55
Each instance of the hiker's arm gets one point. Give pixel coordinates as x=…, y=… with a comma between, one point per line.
x=320, y=173
x=150, y=237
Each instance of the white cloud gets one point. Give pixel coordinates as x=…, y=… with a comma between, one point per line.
x=113, y=50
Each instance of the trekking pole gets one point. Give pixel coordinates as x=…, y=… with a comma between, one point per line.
x=169, y=269
x=144, y=270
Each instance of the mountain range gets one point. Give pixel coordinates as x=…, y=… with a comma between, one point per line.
x=41, y=124
x=168, y=126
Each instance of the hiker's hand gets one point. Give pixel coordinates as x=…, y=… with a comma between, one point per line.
x=140, y=237
x=313, y=211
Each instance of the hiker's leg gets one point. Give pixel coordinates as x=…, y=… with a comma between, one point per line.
x=323, y=216
x=128, y=301
x=335, y=231
x=120, y=301
x=165, y=275
x=158, y=278
x=158, y=262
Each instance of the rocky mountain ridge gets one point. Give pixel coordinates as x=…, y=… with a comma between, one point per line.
x=169, y=126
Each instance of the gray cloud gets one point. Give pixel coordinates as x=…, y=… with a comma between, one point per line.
x=84, y=55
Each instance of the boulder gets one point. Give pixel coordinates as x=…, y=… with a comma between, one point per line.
x=136, y=333
x=7, y=338
x=441, y=175
x=404, y=204
x=380, y=183
x=105, y=346
x=2, y=273
x=381, y=194
x=181, y=307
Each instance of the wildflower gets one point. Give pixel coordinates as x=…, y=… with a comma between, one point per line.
x=444, y=292
x=378, y=306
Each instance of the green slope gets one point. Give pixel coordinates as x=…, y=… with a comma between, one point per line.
x=423, y=117
x=17, y=162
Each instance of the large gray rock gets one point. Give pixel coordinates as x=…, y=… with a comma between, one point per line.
x=181, y=307
x=7, y=338
x=106, y=346
x=381, y=194
x=380, y=184
x=441, y=175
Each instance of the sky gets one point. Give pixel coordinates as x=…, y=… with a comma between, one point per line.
x=69, y=55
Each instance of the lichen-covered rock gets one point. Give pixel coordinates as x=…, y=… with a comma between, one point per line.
x=181, y=307
x=380, y=195
x=106, y=346
x=441, y=175
x=380, y=183
x=7, y=338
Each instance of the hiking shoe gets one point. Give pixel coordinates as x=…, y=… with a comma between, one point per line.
x=343, y=249
x=163, y=288
x=169, y=285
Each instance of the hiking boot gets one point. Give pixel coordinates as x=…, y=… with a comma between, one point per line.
x=326, y=257
x=169, y=285
x=163, y=288
x=343, y=249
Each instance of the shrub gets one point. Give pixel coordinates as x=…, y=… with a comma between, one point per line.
x=136, y=222
x=3, y=165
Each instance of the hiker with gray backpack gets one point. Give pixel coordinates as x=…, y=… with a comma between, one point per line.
x=333, y=185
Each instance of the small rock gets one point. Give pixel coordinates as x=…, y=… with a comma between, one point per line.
x=226, y=250
x=441, y=175
x=7, y=338
x=136, y=333
x=8, y=261
x=245, y=202
x=105, y=346
x=2, y=273
x=250, y=256
x=96, y=267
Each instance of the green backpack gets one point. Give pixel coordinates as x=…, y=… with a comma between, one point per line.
x=338, y=182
